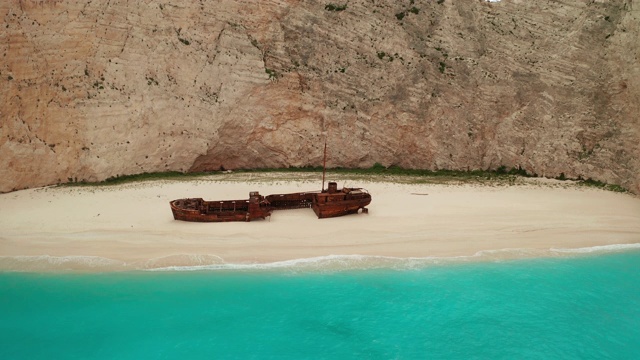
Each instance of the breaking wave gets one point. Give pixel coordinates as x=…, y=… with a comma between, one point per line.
x=329, y=263
x=599, y=249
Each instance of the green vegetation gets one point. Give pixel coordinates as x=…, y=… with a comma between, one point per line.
x=272, y=73
x=124, y=179
x=334, y=7
x=413, y=10
x=602, y=185
x=184, y=41
x=502, y=170
x=382, y=55
x=150, y=81
x=378, y=169
x=500, y=176
x=397, y=173
x=442, y=67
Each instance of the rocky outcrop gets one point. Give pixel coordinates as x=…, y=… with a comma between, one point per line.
x=103, y=88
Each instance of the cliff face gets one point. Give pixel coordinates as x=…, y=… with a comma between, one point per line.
x=102, y=88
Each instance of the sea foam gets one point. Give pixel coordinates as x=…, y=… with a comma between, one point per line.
x=599, y=249
x=334, y=262
x=328, y=263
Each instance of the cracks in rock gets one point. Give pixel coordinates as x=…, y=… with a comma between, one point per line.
x=217, y=42
x=210, y=97
x=255, y=43
x=126, y=40
x=273, y=75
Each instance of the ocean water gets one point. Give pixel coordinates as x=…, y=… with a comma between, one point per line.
x=581, y=306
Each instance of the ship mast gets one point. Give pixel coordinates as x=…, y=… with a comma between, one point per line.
x=324, y=164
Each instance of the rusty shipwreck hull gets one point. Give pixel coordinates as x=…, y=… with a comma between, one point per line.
x=199, y=210
x=344, y=202
x=328, y=203
x=299, y=200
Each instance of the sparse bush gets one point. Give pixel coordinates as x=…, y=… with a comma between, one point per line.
x=378, y=167
x=272, y=73
x=520, y=171
x=602, y=185
x=334, y=7
x=420, y=175
x=150, y=81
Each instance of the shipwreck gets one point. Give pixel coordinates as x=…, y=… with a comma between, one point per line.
x=326, y=203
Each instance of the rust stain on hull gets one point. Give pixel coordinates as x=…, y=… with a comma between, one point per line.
x=199, y=210
x=328, y=203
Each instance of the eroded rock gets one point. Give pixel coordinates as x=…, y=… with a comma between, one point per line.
x=117, y=87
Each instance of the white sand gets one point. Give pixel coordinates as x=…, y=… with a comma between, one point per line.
x=131, y=226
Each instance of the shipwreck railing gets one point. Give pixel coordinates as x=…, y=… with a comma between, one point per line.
x=290, y=201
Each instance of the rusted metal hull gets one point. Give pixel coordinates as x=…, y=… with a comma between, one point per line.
x=291, y=201
x=199, y=210
x=341, y=207
x=335, y=202
x=326, y=204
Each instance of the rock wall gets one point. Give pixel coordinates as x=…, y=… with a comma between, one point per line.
x=93, y=89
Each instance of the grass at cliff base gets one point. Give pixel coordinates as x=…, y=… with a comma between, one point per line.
x=377, y=173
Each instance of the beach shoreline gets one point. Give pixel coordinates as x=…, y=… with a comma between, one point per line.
x=130, y=226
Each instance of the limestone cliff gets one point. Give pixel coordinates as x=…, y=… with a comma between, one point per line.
x=93, y=89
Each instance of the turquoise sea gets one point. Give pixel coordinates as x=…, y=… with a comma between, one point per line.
x=582, y=306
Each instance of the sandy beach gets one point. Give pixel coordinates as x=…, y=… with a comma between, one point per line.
x=131, y=226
